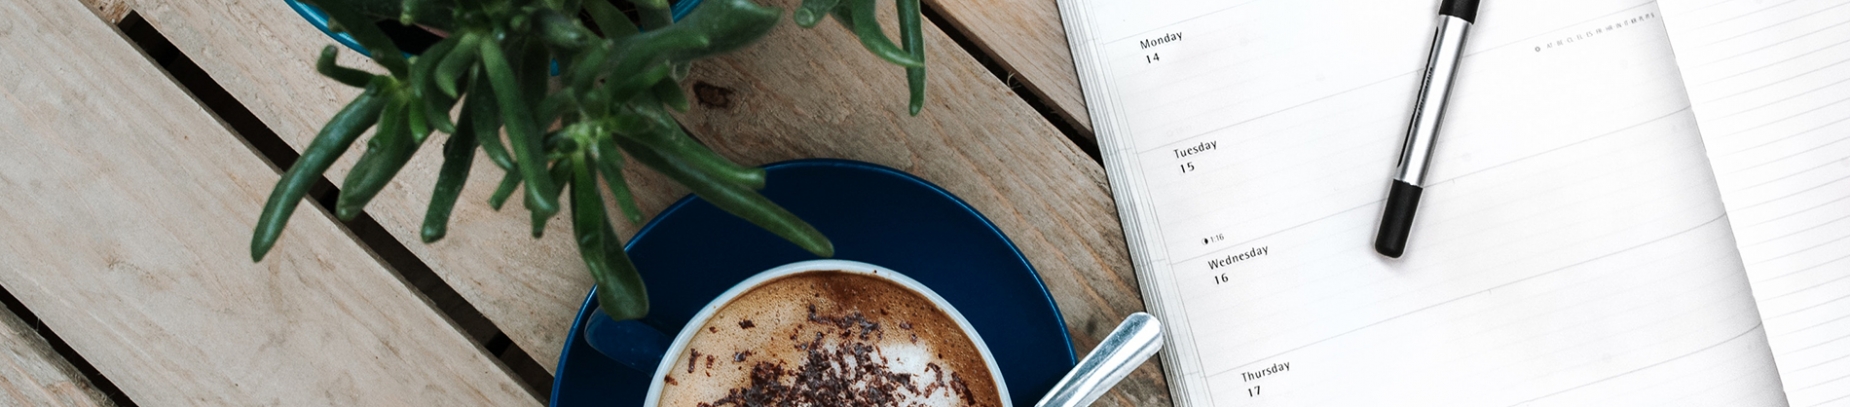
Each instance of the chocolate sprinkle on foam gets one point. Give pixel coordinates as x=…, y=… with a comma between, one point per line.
x=850, y=373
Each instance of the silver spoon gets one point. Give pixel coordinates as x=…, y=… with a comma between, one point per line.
x=1134, y=341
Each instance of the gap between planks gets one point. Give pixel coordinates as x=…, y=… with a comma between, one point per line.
x=1038, y=97
x=38, y=369
x=1025, y=38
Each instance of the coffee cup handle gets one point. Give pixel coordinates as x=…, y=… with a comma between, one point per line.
x=630, y=343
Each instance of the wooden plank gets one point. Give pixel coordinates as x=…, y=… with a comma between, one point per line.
x=129, y=209
x=1026, y=38
x=976, y=138
x=32, y=374
x=112, y=11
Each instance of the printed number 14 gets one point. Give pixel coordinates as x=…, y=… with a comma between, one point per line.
x=1152, y=58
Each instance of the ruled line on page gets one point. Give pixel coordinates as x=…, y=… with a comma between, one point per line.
x=1767, y=27
x=1787, y=98
x=1763, y=47
x=1788, y=137
x=1735, y=16
x=1642, y=368
x=1776, y=82
x=1455, y=299
x=1795, y=232
x=1790, y=273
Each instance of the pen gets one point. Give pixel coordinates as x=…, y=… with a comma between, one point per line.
x=1448, y=44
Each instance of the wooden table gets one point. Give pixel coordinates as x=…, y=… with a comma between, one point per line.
x=129, y=184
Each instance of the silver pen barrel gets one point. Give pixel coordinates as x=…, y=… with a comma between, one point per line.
x=1448, y=44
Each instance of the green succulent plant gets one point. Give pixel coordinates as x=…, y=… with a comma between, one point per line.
x=611, y=97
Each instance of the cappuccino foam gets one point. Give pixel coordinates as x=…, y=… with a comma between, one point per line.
x=829, y=338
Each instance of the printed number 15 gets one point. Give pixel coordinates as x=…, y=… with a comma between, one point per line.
x=1152, y=58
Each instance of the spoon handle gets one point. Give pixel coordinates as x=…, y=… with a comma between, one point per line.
x=1135, y=340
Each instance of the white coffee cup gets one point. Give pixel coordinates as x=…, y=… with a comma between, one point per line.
x=700, y=319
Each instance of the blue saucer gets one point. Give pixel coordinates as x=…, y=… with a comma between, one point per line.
x=693, y=251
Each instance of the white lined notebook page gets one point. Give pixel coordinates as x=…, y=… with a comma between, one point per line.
x=1571, y=248
x=1770, y=81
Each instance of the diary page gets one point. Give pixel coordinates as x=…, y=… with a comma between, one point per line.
x=1571, y=248
x=1770, y=81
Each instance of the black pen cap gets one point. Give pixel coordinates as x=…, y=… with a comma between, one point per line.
x=1465, y=9
x=1403, y=201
